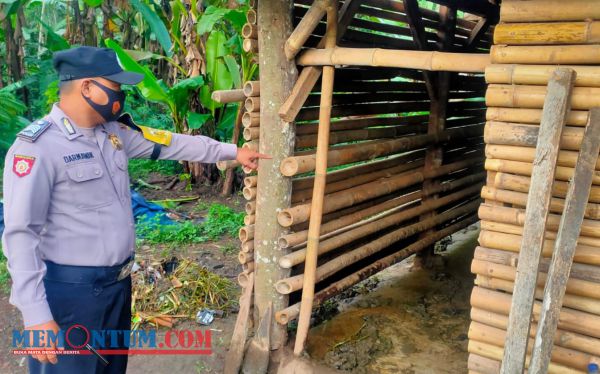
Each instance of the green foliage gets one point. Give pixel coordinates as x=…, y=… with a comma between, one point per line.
x=142, y=168
x=4, y=275
x=156, y=25
x=221, y=220
x=11, y=120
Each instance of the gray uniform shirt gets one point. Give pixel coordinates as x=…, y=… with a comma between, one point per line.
x=67, y=200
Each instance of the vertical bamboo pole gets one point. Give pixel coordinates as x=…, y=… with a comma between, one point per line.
x=314, y=228
x=277, y=76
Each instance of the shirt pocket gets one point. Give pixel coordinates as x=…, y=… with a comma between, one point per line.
x=90, y=187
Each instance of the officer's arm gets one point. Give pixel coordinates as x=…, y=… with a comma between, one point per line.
x=164, y=145
x=28, y=181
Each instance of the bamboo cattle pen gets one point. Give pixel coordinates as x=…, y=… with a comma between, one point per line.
x=429, y=113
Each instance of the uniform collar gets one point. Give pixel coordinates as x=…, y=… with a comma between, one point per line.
x=64, y=123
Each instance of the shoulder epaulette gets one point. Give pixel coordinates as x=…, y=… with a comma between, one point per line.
x=160, y=138
x=33, y=131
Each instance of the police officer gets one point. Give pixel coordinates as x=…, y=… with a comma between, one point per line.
x=69, y=235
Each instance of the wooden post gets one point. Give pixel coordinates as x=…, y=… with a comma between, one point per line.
x=437, y=120
x=277, y=76
x=564, y=247
x=314, y=228
x=554, y=113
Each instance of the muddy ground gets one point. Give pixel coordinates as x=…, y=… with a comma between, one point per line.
x=401, y=321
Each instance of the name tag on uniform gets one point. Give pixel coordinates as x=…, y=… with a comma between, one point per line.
x=78, y=157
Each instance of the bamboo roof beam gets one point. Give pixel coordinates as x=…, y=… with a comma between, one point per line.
x=306, y=26
x=422, y=60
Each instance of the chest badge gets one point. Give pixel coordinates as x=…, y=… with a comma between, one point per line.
x=115, y=141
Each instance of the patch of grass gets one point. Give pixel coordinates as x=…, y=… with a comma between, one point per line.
x=141, y=168
x=221, y=220
x=4, y=275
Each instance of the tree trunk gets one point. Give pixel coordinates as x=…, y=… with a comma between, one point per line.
x=277, y=76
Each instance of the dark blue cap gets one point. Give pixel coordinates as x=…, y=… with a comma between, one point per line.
x=87, y=62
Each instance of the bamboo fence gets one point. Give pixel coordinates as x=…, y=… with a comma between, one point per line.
x=533, y=37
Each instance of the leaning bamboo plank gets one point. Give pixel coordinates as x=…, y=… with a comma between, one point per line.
x=422, y=60
x=526, y=154
x=302, y=164
x=566, y=241
x=548, y=10
x=570, y=320
x=546, y=54
x=318, y=193
x=557, y=205
x=347, y=237
x=305, y=27
x=555, y=108
x=482, y=364
x=294, y=283
x=495, y=353
x=575, y=286
x=584, y=254
x=297, y=238
x=228, y=96
x=574, y=302
x=547, y=33
x=523, y=168
x=505, y=133
x=290, y=313
x=515, y=216
x=235, y=354
x=508, y=228
x=566, y=339
x=534, y=116
x=563, y=356
x=341, y=199
x=524, y=96
x=587, y=76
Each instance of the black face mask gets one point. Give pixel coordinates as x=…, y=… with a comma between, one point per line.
x=111, y=110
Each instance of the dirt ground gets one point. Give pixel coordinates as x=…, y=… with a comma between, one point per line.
x=401, y=321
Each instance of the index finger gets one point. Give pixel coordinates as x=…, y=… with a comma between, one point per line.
x=262, y=155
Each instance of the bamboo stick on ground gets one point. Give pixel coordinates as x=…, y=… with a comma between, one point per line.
x=421, y=60
x=548, y=10
x=362, y=231
x=337, y=200
x=294, y=283
x=290, y=313
x=297, y=238
x=533, y=116
x=526, y=96
x=547, y=33
x=228, y=96
x=547, y=54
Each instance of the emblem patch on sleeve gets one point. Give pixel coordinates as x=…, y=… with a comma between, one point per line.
x=22, y=165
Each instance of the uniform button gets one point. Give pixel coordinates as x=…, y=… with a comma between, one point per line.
x=97, y=172
x=79, y=175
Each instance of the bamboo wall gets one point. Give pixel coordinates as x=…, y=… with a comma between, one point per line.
x=533, y=37
x=382, y=203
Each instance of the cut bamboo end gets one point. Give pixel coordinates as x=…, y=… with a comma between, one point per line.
x=251, y=133
x=285, y=288
x=290, y=167
x=246, y=233
x=248, y=267
x=248, y=246
x=250, y=181
x=250, y=207
x=228, y=164
x=252, y=145
x=243, y=279
x=249, y=219
x=245, y=257
x=252, y=104
x=250, y=31
x=252, y=88
x=285, y=218
x=251, y=119
x=249, y=193
x=251, y=16
x=250, y=45
x=228, y=96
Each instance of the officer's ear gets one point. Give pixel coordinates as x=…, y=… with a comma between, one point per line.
x=85, y=87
